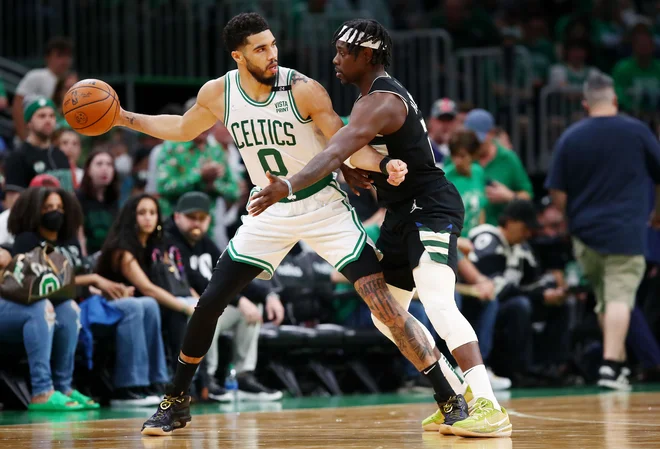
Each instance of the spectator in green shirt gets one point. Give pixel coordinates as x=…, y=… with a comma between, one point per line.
x=468, y=177
x=637, y=79
x=197, y=165
x=506, y=178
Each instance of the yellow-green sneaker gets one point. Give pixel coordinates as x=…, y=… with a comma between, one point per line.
x=454, y=410
x=485, y=421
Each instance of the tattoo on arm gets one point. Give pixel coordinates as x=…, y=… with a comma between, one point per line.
x=407, y=332
x=298, y=77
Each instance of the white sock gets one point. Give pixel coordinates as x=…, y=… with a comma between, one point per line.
x=457, y=383
x=477, y=378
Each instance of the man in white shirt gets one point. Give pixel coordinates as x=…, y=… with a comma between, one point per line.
x=42, y=82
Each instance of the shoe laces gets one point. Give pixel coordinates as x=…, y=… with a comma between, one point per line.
x=166, y=404
x=481, y=407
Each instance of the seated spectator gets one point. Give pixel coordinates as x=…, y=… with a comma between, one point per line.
x=637, y=78
x=49, y=333
x=7, y=238
x=199, y=165
x=68, y=141
x=522, y=292
x=442, y=123
x=36, y=155
x=42, y=82
x=468, y=177
x=136, y=181
x=99, y=198
x=188, y=230
x=126, y=257
x=61, y=88
x=506, y=178
x=574, y=70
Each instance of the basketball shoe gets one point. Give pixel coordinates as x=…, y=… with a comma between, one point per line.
x=452, y=411
x=485, y=421
x=173, y=413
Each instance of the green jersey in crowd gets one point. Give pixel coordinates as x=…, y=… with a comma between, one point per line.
x=473, y=191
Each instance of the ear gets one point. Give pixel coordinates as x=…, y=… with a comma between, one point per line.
x=367, y=54
x=585, y=105
x=237, y=56
x=615, y=101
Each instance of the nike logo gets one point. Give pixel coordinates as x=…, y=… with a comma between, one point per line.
x=430, y=369
x=497, y=424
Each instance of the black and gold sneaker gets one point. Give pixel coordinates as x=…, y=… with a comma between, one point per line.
x=173, y=413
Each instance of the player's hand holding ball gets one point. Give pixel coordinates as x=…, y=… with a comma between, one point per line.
x=91, y=107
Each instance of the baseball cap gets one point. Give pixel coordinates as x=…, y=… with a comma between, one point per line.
x=480, y=121
x=31, y=105
x=522, y=210
x=444, y=107
x=45, y=180
x=193, y=202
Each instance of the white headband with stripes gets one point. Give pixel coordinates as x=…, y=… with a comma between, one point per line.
x=351, y=35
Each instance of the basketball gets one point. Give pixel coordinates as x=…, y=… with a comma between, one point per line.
x=91, y=107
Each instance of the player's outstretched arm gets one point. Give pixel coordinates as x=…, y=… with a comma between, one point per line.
x=181, y=128
x=379, y=112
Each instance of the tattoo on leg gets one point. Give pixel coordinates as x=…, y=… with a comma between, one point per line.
x=407, y=333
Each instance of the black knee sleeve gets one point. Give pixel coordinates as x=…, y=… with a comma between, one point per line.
x=228, y=279
x=366, y=265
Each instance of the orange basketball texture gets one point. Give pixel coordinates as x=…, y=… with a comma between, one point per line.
x=91, y=107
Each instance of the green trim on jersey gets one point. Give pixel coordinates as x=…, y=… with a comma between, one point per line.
x=250, y=100
x=236, y=257
x=359, y=246
x=227, y=102
x=296, y=112
x=311, y=190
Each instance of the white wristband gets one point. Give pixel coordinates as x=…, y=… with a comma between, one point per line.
x=291, y=196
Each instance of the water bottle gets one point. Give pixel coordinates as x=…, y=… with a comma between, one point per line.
x=231, y=383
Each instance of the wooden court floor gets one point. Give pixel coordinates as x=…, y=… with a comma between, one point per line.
x=611, y=421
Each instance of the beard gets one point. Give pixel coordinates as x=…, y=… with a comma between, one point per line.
x=42, y=136
x=261, y=75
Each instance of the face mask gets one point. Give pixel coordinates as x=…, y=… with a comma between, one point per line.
x=52, y=220
x=124, y=164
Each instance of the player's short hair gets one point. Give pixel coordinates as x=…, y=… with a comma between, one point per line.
x=242, y=26
x=464, y=139
x=598, y=88
x=61, y=45
x=365, y=30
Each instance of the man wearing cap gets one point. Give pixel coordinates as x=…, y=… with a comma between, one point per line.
x=442, y=124
x=503, y=254
x=506, y=177
x=37, y=155
x=188, y=230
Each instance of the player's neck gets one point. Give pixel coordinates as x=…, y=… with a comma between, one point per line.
x=603, y=111
x=365, y=83
x=254, y=89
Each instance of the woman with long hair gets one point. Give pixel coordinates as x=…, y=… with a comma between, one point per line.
x=99, y=197
x=125, y=255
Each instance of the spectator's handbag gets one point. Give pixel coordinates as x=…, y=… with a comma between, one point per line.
x=40, y=273
x=168, y=272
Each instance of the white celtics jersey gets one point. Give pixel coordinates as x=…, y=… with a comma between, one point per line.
x=271, y=136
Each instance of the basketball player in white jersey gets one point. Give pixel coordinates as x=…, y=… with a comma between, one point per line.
x=280, y=120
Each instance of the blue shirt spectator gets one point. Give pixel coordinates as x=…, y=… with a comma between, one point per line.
x=603, y=164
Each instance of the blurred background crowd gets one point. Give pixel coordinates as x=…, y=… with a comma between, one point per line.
x=499, y=81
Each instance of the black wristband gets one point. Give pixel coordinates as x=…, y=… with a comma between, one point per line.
x=383, y=165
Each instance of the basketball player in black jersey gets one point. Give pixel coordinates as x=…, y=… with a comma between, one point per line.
x=424, y=213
